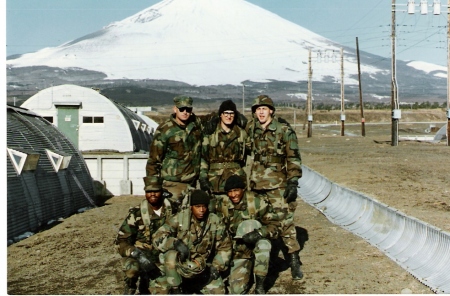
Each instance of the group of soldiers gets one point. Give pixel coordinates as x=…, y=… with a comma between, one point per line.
x=219, y=189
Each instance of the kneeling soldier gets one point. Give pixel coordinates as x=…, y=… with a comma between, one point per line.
x=196, y=249
x=251, y=222
x=134, y=240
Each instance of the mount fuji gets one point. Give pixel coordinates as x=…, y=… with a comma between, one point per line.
x=215, y=42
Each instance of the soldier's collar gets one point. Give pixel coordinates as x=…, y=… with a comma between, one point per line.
x=271, y=126
x=242, y=205
x=234, y=128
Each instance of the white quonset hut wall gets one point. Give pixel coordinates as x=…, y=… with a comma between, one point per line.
x=119, y=174
x=114, y=133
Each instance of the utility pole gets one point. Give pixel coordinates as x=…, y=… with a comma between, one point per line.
x=437, y=11
x=295, y=119
x=448, y=73
x=309, y=98
x=342, y=93
x=396, y=114
x=243, y=98
x=361, y=106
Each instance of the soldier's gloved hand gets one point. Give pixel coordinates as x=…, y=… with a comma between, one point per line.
x=182, y=249
x=211, y=125
x=290, y=194
x=241, y=120
x=213, y=274
x=252, y=237
x=205, y=185
x=145, y=264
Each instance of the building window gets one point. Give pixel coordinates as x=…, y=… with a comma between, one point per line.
x=98, y=119
x=92, y=119
x=25, y=160
x=49, y=118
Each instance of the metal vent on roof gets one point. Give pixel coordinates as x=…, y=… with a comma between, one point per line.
x=136, y=123
x=23, y=160
x=59, y=161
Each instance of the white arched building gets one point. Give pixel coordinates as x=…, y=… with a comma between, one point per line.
x=92, y=121
x=113, y=139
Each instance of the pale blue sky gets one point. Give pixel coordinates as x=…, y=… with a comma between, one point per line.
x=34, y=24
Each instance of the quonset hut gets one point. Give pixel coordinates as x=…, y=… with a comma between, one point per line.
x=47, y=178
x=90, y=120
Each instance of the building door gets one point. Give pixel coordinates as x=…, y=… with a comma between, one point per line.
x=68, y=122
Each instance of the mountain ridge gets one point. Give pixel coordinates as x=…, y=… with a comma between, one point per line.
x=211, y=43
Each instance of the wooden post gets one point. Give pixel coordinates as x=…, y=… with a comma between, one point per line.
x=243, y=98
x=309, y=98
x=342, y=93
x=363, y=121
x=394, y=90
x=448, y=73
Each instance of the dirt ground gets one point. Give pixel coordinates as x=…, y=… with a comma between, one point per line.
x=77, y=256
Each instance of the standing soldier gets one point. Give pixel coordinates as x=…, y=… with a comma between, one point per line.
x=223, y=149
x=175, y=150
x=276, y=169
x=250, y=220
x=196, y=249
x=134, y=240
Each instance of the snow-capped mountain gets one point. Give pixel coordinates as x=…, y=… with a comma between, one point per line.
x=218, y=42
x=201, y=42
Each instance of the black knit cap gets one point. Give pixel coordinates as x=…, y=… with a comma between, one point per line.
x=234, y=182
x=227, y=105
x=199, y=197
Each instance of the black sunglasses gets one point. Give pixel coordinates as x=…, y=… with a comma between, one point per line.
x=187, y=109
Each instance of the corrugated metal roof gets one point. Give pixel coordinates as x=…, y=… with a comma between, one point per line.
x=141, y=139
x=420, y=248
x=39, y=196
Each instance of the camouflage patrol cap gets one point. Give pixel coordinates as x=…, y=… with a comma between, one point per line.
x=262, y=100
x=182, y=101
x=152, y=184
x=247, y=226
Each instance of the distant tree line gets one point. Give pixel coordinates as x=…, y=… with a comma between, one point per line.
x=367, y=105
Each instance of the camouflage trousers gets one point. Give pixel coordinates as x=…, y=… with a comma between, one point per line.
x=187, y=275
x=179, y=191
x=130, y=267
x=241, y=268
x=286, y=213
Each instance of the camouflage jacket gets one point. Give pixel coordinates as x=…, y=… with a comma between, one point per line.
x=275, y=152
x=134, y=233
x=207, y=240
x=175, y=151
x=222, y=156
x=252, y=206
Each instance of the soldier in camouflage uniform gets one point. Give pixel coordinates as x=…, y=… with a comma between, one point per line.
x=134, y=240
x=251, y=247
x=223, y=150
x=175, y=150
x=276, y=169
x=196, y=248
